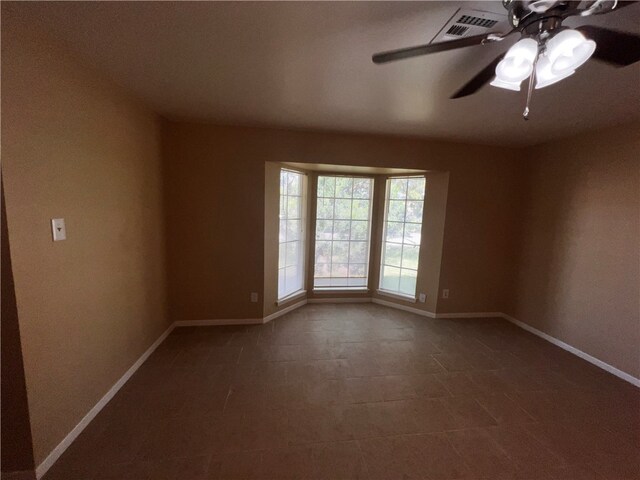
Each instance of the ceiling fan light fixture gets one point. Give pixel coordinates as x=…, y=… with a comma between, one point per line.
x=545, y=76
x=515, y=86
x=568, y=50
x=518, y=62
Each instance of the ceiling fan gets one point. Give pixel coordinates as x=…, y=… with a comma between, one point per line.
x=547, y=51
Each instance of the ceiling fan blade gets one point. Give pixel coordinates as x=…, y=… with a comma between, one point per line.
x=402, y=53
x=617, y=48
x=480, y=80
x=600, y=7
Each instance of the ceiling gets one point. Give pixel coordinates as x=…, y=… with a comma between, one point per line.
x=308, y=65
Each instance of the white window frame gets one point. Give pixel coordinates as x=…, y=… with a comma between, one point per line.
x=286, y=294
x=387, y=203
x=337, y=287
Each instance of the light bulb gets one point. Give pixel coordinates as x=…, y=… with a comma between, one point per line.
x=568, y=50
x=545, y=76
x=518, y=62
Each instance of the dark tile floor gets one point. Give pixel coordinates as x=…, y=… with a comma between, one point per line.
x=362, y=391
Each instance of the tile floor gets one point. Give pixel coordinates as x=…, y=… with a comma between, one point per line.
x=362, y=391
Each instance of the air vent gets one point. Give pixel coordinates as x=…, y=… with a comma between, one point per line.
x=457, y=30
x=466, y=23
x=480, y=22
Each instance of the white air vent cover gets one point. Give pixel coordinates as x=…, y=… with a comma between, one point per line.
x=467, y=23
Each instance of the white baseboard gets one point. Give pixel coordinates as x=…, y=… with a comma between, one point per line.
x=218, y=322
x=77, y=430
x=284, y=311
x=565, y=346
x=471, y=315
x=340, y=300
x=406, y=308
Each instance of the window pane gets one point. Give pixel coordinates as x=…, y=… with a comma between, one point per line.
x=323, y=270
x=394, y=232
x=293, y=183
x=362, y=188
x=324, y=230
x=323, y=252
x=340, y=252
x=396, y=211
x=339, y=270
x=343, y=228
x=415, y=190
x=291, y=278
x=325, y=208
x=358, y=252
x=282, y=254
x=343, y=209
x=281, y=286
x=293, y=207
x=414, y=212
x=293, y=230
x=344, y=187
x=410, y=256
x=357, y=270
x=292, y=253
x=290, y=235
x=360, y=210
x=326, y=186
x=359, y=230
x=408, y=282
x=398, y=189
x=339, y=281
x=393, y=254
x=404, y=205
x=390, y=278
x=412, y=233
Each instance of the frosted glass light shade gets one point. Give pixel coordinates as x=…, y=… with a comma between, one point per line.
x=518, y=62
x=515, y=86
x=568, y=50
x=545, y=76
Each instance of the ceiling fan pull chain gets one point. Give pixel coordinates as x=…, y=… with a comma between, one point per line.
x=532, y=79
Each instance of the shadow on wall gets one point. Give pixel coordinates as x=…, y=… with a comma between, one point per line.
x=17, y=451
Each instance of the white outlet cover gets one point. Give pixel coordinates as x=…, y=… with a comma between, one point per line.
x=58, y=229
x=422, y=298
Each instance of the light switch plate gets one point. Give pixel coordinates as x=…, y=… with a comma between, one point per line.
x=58, y=229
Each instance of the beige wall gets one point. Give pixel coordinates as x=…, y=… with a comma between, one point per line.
x=215, y=206
x=579, y=269
x=75, y=146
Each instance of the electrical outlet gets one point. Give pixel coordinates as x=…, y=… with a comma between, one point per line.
x=254, y=297
x=445, y=293
x=422, y=297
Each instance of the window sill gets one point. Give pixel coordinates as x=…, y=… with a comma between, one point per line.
x=294, y=296
x=398, y=296
x=341, y=290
